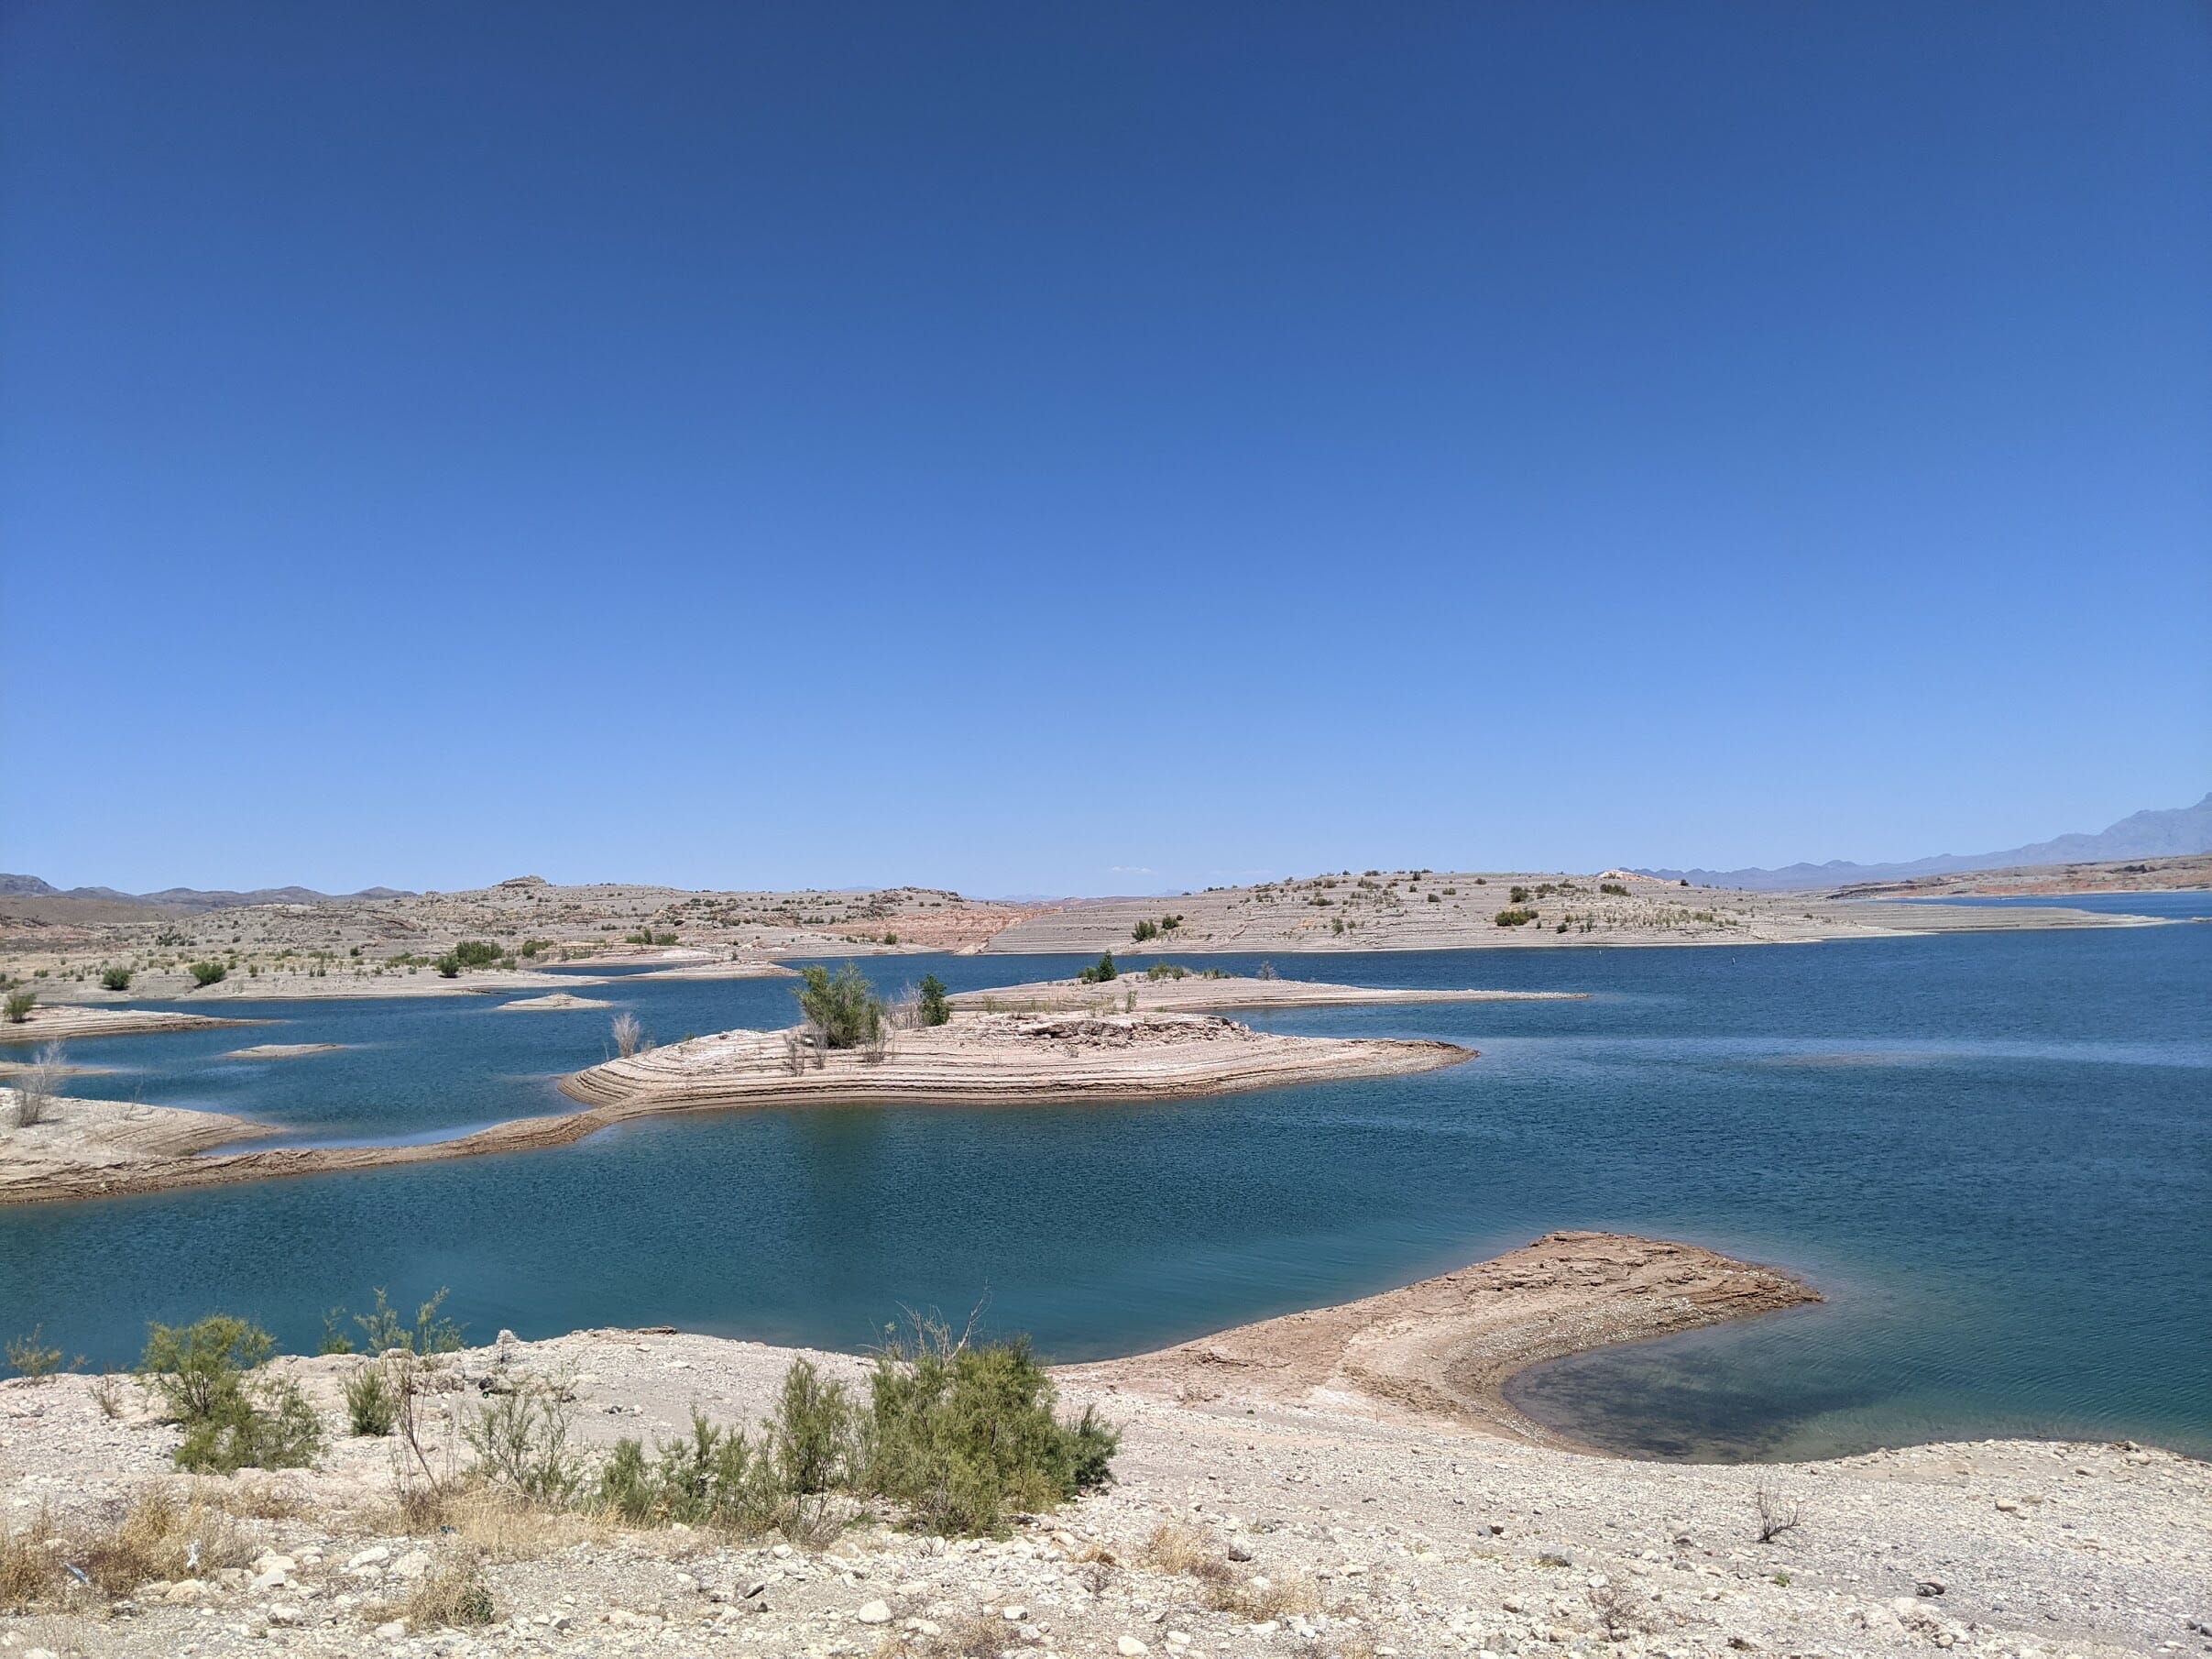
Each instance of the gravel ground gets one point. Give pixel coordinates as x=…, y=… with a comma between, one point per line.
x=1360, y=1536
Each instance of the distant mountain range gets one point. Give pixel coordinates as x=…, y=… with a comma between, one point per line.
x=186, y=898
x=2170, y=832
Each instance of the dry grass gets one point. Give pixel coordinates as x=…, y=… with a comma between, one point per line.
x=1191, y=1552
x=30, y=1563
x=450, y=1596
x=971, y=1636
x=159, y=1537
x=37, y=1084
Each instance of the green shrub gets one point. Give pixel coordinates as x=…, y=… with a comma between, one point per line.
x=19, y=1005
x=371, y=1406
x=1618, y=889
x=207, y=973
x=1144, y=930
x=232, y=1419
x=1514, y=917
x=716, y=1478
x=845, y=1008
x=262, y=1425
x=961, y=1436
x=449, y=965
x=476, y=953
x=194, y=1367
x=1519, y=895
x=1166, y=971
x=934, y=1009
x=28, y=1357
x=382, y=1329
x=531, y=947
x=115, y=979
x=812, y=1437
x=520, y=1440
x=1168, y=924
x=1099, y=973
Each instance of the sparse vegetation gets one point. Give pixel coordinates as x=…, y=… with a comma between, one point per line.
x=629, y=1035
x=38, y=1084
x=1776, y=1513
x=1614, y=889
x=1100, y=971
x=29, y=1357
x=19, y=1004
x=476, y=953
x=1515, y=916
x=207, y=973
x=114, y=979
x=371, y=1406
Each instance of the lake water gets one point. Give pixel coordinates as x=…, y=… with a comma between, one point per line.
x=1993, y=1153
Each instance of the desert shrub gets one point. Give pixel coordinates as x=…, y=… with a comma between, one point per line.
x=931, y=1003
x=531, y=947
x=382, y=1330
x=371, y=1406
x=715, y=1477
x=1514, y=917
x=263, y=1424
x=844, y=1008
x=1168, y=924
x=1144, y=930
x=37, y=1085
x=1618, y=889
x=207, y=973
x=960, y=1436
x=29, y=1357
x=115, y=979
x=1100, y=971
x=1519, y=895
x=520, y=1440
x=476, y=953
x=449, y=965
x=21, y=1003
x=812, y=1437
x=195, y=1368
x=452, y=1596
x=1166, y=971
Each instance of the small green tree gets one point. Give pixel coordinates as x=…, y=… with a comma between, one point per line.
x=207, y=973
x=476, y=953
x=845, y=1008
x=115, y=979
x=1100, y=971
x=1144, y=930
x=21, y=1003
x=936, y=1009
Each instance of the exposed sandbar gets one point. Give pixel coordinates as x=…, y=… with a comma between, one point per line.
x=1445, y=1346
x=557, y=1002
x=284, y=1051
x=1198, y=992
x=89, y=1140
x=988, y=1058
x=68, y=1023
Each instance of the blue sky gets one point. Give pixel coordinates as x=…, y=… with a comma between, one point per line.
x=1087, y=449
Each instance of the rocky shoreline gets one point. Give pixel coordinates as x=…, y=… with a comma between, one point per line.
x=1266, y=1515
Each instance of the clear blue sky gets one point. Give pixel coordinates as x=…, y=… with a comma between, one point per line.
x=1094, y=448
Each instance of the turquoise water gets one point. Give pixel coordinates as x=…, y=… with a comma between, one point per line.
x=1994, y=1153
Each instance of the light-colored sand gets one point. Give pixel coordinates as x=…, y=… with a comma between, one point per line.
x=557, y=1002
x=984, y=1059
x=86, y=1141
x=68, y=1023
x=284, y=1051
x=1447, y=1346
x=1201, y=992
x=1376, y=1528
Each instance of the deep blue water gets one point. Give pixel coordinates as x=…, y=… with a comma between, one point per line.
x=1993, y=1152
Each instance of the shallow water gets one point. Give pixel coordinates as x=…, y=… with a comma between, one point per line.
x=1992, y=1152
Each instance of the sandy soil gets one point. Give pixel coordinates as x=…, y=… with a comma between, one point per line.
x=1199, y=993
x=2113, y=875
x=284, y=1051
x=1371, y=1527
x=48, y=1024
x=557, y=1002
